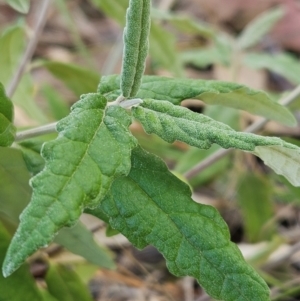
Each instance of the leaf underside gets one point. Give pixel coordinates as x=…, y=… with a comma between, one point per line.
x=151, y=206
x=211, y=92
x=173, y=123
x=92, y=149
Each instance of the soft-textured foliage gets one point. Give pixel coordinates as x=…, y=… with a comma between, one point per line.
x=92, y=149
x=136, y=45
x=211, y=92
x=152, y=206
x=7, y=129
x=177, y=123
x=21, y=6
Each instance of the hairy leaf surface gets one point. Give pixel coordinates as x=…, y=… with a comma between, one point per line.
x=211, y=92
x=136, y=45
x=7, y=129
x=152, y=206
x=92, y=149
x=173, y=123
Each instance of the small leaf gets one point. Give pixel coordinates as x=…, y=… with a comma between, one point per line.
x=284, y=161
x=79, y=240
x=64, y=284
x=92, y=149
x=256, y=206
x=211, y=92
x=136, y=45
x=173, y=123
x=259, y=27
x=20, y=286
x=77, y=79
x=7, y=129
x=283, y=64
x=22, y=6
x=152, y=206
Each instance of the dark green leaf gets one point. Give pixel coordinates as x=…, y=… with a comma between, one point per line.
x=93, y=148
x=254, y=196
x=151, y=206
x=211, y=92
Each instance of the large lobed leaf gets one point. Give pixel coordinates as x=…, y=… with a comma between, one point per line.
x=152, y=206
x=177, y=123
x=7, y=129
x=211, y=92
x=92, y=149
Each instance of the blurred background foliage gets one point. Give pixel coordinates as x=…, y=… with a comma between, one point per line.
x=256, y=43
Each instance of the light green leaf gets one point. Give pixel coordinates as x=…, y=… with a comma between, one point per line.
x=136, y=46
x=259, y=27
x=79, y=240
x=115, y=9
x=20, y=286
x=283, y=64
x=255, y=199
x=76, y=78
x=152, y=206
x=7, y=129
x=15, y=191
x=92, y=149
x=163, y=49
x=211, y=92
x=173, y=123
x=283, y=160
x=22, y=6
x=64, y=284
x=12, y=47
x=184, y=23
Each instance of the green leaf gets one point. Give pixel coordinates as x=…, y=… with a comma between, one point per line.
x=283, y=160
x=7, y=129
x=211, y=92
x=256, y=206
x=21, y=286
x=115, y=9
x=77, y=79
x=152, y=206
x=92, y=149
x=136, y=45
x=15, y=191
x=163, y=49
x=64, y=284
x=6, y=106
x=259, y=27
x=283, y=64
x=173, y=123
x=22, y=6
x=12, y=47
x=185, y=23
x=79, y=240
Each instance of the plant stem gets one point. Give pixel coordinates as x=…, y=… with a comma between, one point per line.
x=42, y=130
x=30, y=48
x=251, y=129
